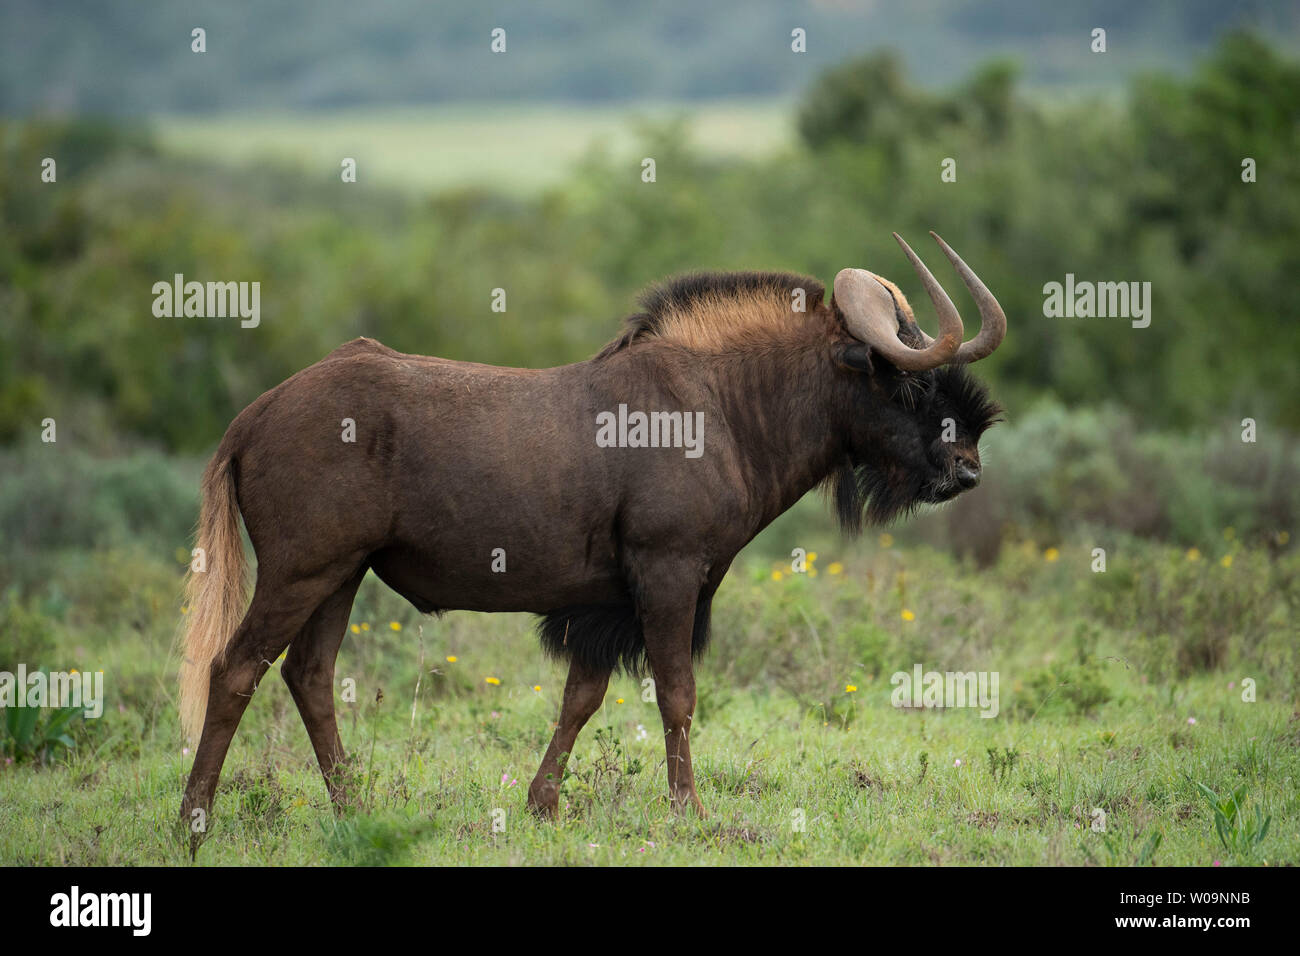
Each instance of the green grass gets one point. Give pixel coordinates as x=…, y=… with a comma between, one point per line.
x=509, y=148
x=1095, y=712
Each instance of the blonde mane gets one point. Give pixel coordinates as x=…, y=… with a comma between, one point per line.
x=726, y=311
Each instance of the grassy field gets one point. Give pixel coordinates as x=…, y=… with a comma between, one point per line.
x=1119, y=692
x=509, y=148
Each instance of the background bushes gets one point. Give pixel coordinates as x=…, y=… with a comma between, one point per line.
x=1144, y=189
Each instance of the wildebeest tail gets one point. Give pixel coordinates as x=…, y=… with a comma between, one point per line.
x=608, y=636
x=214, y=597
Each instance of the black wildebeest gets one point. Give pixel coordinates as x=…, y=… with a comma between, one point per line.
x=620, y=549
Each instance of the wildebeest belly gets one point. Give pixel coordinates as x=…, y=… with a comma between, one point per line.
x=475, y=577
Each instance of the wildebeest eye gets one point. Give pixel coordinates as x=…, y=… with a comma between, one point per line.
x=911, y=390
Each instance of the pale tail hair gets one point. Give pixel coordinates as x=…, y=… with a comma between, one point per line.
x=215, y=597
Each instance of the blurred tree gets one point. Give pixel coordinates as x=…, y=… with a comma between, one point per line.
x=1147, y=191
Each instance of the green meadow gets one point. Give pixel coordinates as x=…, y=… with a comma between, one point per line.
x=1127, y=566
x=509, y=148
x=1124, y=697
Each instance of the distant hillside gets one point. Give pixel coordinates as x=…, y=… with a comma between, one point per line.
x=134, y=57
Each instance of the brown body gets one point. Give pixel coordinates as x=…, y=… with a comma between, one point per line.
x=455, y=465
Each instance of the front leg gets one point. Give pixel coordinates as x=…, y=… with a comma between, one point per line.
x=668, y=624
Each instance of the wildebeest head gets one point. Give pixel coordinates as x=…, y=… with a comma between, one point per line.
x=902, y=416
x=916, y=440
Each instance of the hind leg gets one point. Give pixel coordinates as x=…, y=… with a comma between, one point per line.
x=309, y=672
x=279, y=610
x=583, y=693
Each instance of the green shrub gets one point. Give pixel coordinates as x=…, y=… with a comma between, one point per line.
x=1075, y=688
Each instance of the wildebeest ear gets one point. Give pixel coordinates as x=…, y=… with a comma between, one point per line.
x=857, y=357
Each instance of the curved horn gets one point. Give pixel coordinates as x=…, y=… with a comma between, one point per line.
x=869, y=314
x=993, y=321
